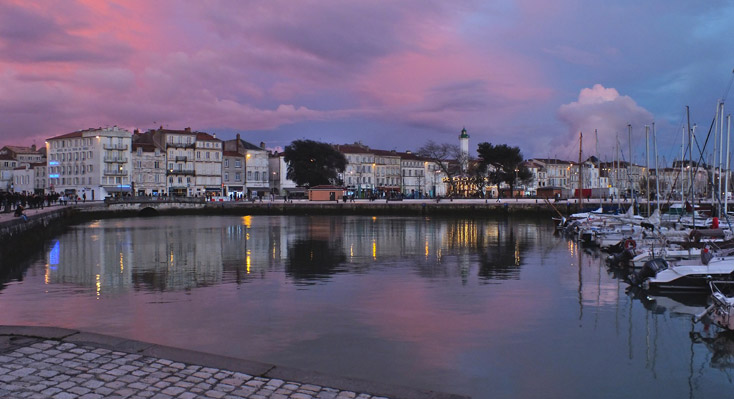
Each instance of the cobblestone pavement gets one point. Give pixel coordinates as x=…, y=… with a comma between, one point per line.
x=37, y=368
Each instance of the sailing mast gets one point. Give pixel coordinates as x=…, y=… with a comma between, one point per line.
x=581, y=175
x=647, y=166
x=657, y=172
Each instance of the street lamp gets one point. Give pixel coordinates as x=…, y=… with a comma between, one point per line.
x=516, y=170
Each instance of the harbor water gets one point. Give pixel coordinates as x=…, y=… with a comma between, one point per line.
x=493, y=308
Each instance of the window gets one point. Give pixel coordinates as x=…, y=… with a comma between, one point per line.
x=156, y=164
x=207, y=155
x=257, y=175
x=238, y=176
x=238, y=164
x=226, y=163
x=226, y=177
x=198, y=154
x=249, y=175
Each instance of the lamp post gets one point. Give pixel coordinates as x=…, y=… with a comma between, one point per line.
x=516, y=170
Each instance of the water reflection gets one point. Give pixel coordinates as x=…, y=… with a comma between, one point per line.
x=112, y=256
x=468, y=306
x=313, y=259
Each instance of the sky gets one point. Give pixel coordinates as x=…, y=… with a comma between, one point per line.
x=391, y=74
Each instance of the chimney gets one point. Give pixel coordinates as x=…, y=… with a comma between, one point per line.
x=237, y=148
x=33, y=147
x=136, y=131
x=262, y=145
x=187, y=130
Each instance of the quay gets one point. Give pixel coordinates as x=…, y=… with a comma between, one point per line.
x=57, y=363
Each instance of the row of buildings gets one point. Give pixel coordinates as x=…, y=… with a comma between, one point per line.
x=96, y=163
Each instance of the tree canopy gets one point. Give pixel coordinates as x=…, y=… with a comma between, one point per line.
x=504, y=164
x=312, y=163
x=442, y=154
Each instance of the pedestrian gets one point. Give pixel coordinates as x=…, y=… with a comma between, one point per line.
x=84, y=197
x=19, y=213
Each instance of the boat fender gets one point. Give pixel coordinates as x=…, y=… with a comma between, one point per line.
x=706, y=255
x=630, y=244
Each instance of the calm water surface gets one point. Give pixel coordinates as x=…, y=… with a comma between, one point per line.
x=487, y=307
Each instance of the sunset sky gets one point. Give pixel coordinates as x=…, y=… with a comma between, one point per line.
x=392, y=74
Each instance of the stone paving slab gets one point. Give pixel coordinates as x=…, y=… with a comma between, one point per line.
x=56, y=363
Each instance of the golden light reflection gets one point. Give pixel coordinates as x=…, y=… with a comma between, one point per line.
x=170, y=259
x=274, y=251
x=571, y=247
x=47, y=275
x=249, y=260
x=351, y=250
x=247, y=220
x=374, y=218
x=374, y=249
x=122, y=264
x=517, y=253
x=98, y=284
x=247, y=236
x=427, y=252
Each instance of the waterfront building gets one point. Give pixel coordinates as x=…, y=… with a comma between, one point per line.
x=148, y=165
x=40, y=177
x=257, y=180
x=233, y=175
x=208, y=165
x=413, y=171
x=387, y=172
x=92, y=162
x=280, y=184
x=436, y=178
x=12, y=157
x=24, y=180
x=24, y=155
x=7, y=165
x=193, y=162
x=359, y=175
x=557, y=172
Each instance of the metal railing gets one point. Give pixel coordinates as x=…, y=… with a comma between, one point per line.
x=119, y=147
x=115, y=173
x=115, y=159
x=180, y=172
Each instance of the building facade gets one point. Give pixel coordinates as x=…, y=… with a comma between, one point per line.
x=233, y=175
x=148, y=166
x=93, y=163
x=257, y=165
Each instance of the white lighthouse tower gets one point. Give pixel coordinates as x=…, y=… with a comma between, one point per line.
x=464, y=147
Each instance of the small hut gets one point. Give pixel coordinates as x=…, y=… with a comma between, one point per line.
x=325, y=193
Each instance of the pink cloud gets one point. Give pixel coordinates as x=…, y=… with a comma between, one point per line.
x=605, y=110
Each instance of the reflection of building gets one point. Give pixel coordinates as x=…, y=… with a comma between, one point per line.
x=168, y=254
x=165, y=257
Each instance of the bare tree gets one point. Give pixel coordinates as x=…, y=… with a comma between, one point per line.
x=443, y=154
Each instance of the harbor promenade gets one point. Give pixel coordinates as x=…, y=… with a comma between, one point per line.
x=57, y=363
